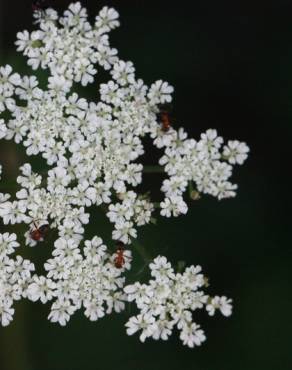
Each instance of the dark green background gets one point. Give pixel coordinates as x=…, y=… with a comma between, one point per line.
x=231, y=66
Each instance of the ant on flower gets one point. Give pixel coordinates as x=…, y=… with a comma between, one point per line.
x=119, y=260
x=39, y=232
x=39, y=6
x=164, y=116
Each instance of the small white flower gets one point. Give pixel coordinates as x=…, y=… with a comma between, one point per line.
x=107, y=19
x=173, y=206
x=124, y=231
x=160, y=93
x=161, y=269
x=41, y=288
x=58, y=83
x=93, y=311
x=61, y=312
x=28, y=88
x=123, y=72
x=163, y=329
x=8, y=244
x=146, y=323
x=235, y=152
x=13, y=212
x=192, y=335
x=221, y=303
x=8, y=79
x=6, y=314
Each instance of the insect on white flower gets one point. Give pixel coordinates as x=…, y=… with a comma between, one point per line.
x=94, y=155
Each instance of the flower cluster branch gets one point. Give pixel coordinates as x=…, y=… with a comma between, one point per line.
x=93, y=152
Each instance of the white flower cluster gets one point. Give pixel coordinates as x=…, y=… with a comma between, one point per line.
x=74, y=280
x=15, y=275
x=132, y=210
x=202, y=162
x=92, y=150
x=169, y=300
x=90, y=280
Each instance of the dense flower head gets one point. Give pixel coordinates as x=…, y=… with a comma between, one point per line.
x=169, y=300
x=93, y=152
x=89, y=280
x=15, y=275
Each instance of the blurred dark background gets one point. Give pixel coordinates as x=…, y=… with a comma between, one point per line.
x=231, y=68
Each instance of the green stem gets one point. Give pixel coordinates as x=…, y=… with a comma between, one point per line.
x=193, y=193
x=141, y=250
x=191, y=188
x=153, y=169
x=7, y=185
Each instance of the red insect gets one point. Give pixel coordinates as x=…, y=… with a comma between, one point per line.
x=39, y=6
x=119, y=260
x=39, y=232
x=165, y=121
x=164, y=117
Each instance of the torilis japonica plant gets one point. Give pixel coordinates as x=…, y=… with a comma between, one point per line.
x=93, y=151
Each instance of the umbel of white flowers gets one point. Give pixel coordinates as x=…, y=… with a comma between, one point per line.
x=92, y=150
